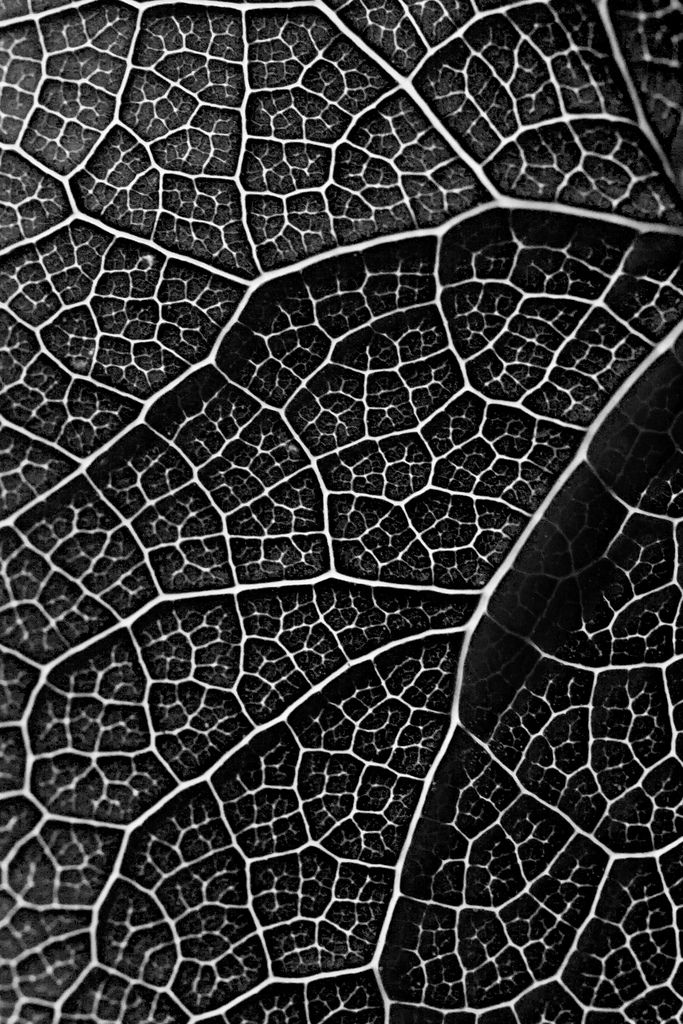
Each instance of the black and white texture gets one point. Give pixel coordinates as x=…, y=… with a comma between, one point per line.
x=341, y=459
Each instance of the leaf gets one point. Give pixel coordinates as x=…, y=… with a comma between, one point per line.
x=650, y=41
x=549, y=841
x=339, y=607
